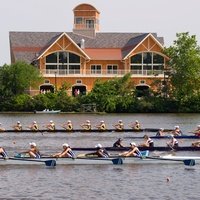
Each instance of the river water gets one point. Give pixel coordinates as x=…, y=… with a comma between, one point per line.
x=96, y=181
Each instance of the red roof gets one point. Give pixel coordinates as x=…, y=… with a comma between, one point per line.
x=104, y=54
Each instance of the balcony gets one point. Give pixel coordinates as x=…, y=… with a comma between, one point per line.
x=101, y=73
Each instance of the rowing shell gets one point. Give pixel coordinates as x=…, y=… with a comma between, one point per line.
x=159, y=148
x=89, y=131
x=102, y=161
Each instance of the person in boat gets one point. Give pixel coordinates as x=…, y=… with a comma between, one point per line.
x=100, y=152
x=119, y=126
x=68, y=126
x=65, y=153
x=118, y=143
x=135, y=125
x=101, y=126
x=1, y=128
x=34, y=126
x=197, y=131
x=51, y=126
x=133, y=151
x=33, y=151
x=18, y=126
x=173, y=142
x=196, y=144
x=177, y=131
x=3, y=153
x=86, y=126
x=148, y=142
x=160, y=132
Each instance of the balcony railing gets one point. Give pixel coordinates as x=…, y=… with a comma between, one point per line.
x=80, y=72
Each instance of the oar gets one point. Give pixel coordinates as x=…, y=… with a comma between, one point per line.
x=187, y=162
x=48, y=163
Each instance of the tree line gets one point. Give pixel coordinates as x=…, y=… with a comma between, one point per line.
x=181, y=91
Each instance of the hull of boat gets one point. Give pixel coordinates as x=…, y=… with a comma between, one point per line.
x=102, y=161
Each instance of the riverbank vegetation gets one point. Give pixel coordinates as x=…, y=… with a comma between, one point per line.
x=180, y=93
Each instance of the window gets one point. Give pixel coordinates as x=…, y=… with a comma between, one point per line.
x=79, y=81
x=111, y=69
x=46, y=81
x=89, y=23
x=78, y=20
x=95, y=69
x=63, y=62
x=147, y=63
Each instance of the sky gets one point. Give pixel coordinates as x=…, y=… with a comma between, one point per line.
x=164, y=17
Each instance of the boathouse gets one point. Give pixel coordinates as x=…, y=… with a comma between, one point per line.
x=86, y=54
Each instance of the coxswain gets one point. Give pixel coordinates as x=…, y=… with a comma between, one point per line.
x=33, y=151
x=148, y=142
x=18, y=126
x=136, y=125
x=177, y=131
x=3, y=153
x=101, y=126
x=133, y=151
x=119, y=126
x=68, y=126
x=1, y=128
x=118, y=143
x=173, y=142
x=86, y=126
x=51, y=126
x=160, y=132
x=65, y=153
x=34, y=126
x=100, y=152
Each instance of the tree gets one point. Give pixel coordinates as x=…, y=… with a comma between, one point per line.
x=185, y=65
x=17, y=78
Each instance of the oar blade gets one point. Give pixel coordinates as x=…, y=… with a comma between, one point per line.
x=189, y=162
x=50, y=163
x=117, y=161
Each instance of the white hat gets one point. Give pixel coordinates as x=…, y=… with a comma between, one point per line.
x=136, y=121
x=120, y=121
x=161, y=129
x=176, y=126
x=69, y=121
x=32, y=144
x=18, y=122
x=88, y=121
x=34, y=122
x=198, y=126
x=133, y=144
x=51, y=121
x=98, y=146
x=102, y=121
x=65, y=145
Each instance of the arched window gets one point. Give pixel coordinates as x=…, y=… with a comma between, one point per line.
x=147, y=63
x=63, y=62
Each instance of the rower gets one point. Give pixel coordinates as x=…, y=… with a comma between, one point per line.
x=1, y=128
x=135, y=125
x=118, y=143
x=68, y=126
x=86, y=126
x=197, y=131
x=100, y=152
x=33, y=151
x=51, y=126
x=148, y=142
x=66, y=152
x=18, y=126
x=119, y=126
x=34, y=126
x=133, y=151
x=101, y=126
x=177, y=131
x=173, y=142
x=160, y=132
x=196, y=144
x=3, y=153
